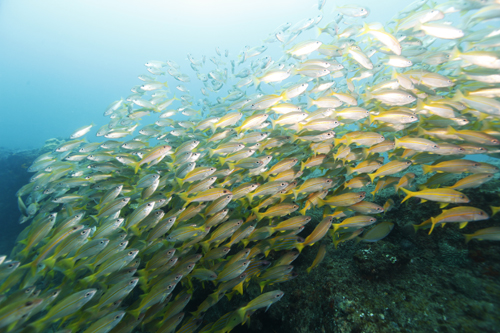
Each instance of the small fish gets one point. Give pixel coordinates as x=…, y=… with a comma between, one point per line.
x=461, y=214
x=319, y=258
x=378, y=232
x=491, y=233
x=317, y=234
x=443, y=195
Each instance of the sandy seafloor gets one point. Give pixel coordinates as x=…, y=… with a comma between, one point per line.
x=408, y=282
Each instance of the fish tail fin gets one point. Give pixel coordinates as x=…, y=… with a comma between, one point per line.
x=211, y=151
x=241, y=312
x=494, y=210
x=239, y=288
x=180, y=182
x=468, y=238
x=49, y=262
x=249, y=197
x=420, y=131
x=24, y=253
x=349, y=170
x=455, y=53
x=336, y=226
x=260, y=216
x=222, y=161
x=256, y=81
x=89, y=279
x=136, y=166
x=451, y=130
x=213, y=128
x=426, y=168
x=184, y=196
x=409, y=194
x=303, y=211
x=310, y=102
x=284, y=96
x=143, y=283
x=302, y=165
x=273, y=123
x=300, y=247
x=231, y=165
x=321, y=202
x=33, y=267
x=136, y=313
x=66, y=264
x=372, y=177
x=365, y=152
x=238, y=129
x=319, y=31
x=433, y=221
x=364, y=30
x=371, y=119
x=458, y=96
x=295, y=194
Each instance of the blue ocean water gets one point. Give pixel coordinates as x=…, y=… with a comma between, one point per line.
x=64, y=62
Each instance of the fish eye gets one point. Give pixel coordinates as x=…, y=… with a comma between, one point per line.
x=28, y=303
x=462, y=196
x=88, y=294
x=117, y=317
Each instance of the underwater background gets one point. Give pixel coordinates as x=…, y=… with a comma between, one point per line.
x=63, y=63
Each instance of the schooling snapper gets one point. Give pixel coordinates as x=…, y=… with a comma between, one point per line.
x=122, y=235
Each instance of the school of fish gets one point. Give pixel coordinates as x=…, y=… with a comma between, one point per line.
x=123, y=235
